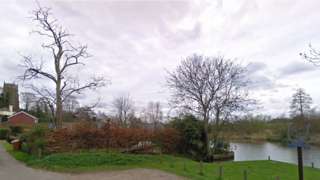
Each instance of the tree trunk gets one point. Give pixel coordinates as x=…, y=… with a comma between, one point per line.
x=58, y=104
x=206, y=138
x=217, y=129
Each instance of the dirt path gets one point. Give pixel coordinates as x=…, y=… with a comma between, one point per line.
x=10, y=169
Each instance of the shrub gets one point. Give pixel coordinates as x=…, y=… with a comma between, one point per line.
x=34, y=141
x=15, y=130
x=167, y=139
x=191, y=133
x=86, y=136
x=4, y=133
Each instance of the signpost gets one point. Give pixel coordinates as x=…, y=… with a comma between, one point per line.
x=300, y=162
x=297, y=137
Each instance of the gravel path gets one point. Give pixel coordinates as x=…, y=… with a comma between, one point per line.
x=10, y=169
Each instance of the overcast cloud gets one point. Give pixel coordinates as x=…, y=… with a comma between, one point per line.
x=133, y=43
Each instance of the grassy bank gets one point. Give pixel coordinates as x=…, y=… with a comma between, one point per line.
x=257, y=129
x=96, y=161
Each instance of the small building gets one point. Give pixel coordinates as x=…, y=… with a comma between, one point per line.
x=22, y=118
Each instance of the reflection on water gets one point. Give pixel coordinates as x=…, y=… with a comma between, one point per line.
x=261, y=151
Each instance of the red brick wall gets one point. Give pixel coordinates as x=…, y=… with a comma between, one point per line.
x=21, y=119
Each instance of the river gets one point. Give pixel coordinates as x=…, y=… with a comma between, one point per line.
x=277, y=152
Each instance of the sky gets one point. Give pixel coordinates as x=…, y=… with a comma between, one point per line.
x=134, y=44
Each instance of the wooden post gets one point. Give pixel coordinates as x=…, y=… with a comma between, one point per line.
x=171, y=163
x=39, y=152
x=269, y=158
x=300, y=162
x=161, y=157
x=220, y=172
x=201, y=168
x=245, y=175
x=312, y=165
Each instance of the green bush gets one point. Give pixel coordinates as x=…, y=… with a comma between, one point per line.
x=15, y=130
x=34, y=141
x=191, y=132
x=4, y=133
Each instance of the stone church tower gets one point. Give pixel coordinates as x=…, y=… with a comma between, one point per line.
x=10, y=96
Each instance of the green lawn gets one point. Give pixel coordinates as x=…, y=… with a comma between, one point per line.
x=96, y=161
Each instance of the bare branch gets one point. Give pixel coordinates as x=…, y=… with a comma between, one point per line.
x=77, y=88
x=312, y=56
x=64, y=56
x=211, y=87
x=34, y=71
x=124, y=109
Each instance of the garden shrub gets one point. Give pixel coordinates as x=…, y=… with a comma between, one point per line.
x=86, y=136
x=191, y=132
x=4, y=133
x=15, y=130
x=167, y=139
x=34, y=141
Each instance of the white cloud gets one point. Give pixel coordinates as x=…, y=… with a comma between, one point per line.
x=133, y=42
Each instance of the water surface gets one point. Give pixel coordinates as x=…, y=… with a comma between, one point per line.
x=278, y=152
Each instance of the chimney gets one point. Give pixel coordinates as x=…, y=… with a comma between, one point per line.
x=10, y=108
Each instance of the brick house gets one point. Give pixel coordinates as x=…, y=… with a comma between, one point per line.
x=22, y=118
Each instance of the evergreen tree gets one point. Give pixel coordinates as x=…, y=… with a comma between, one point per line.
x=300, y=104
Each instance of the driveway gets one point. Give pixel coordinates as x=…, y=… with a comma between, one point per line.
x=11, y=169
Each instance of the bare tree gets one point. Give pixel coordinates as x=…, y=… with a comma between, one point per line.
x=312, y=55
x=65, y=56
x=28, y=99
x=211, y=87
x=124, y=109
x=71, y=104
x=231, y=97
x=300, y=104
x=153, y=114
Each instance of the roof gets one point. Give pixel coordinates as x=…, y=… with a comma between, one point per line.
x=22, y=112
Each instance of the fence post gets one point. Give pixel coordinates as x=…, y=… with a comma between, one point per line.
x=201, y=168
x=300, y=162
x=39, y=152
x=160, y=158
x=269, y=158
x=245, y=175
x=171, y=163
x=220, y=172
x=312, y=165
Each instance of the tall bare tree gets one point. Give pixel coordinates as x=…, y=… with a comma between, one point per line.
x=153, y=114
x=71, y=104
x=231, y=97
x=64, y=56
x=210, y=87
x=300, y=104
x=28, y=99
x=124, y=109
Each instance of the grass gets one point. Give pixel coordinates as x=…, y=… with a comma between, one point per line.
x=97, y=161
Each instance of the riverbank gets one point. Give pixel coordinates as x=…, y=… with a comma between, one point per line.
x=103, y=161
x=262, y=137
x=255, y=130
x=274, y=151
